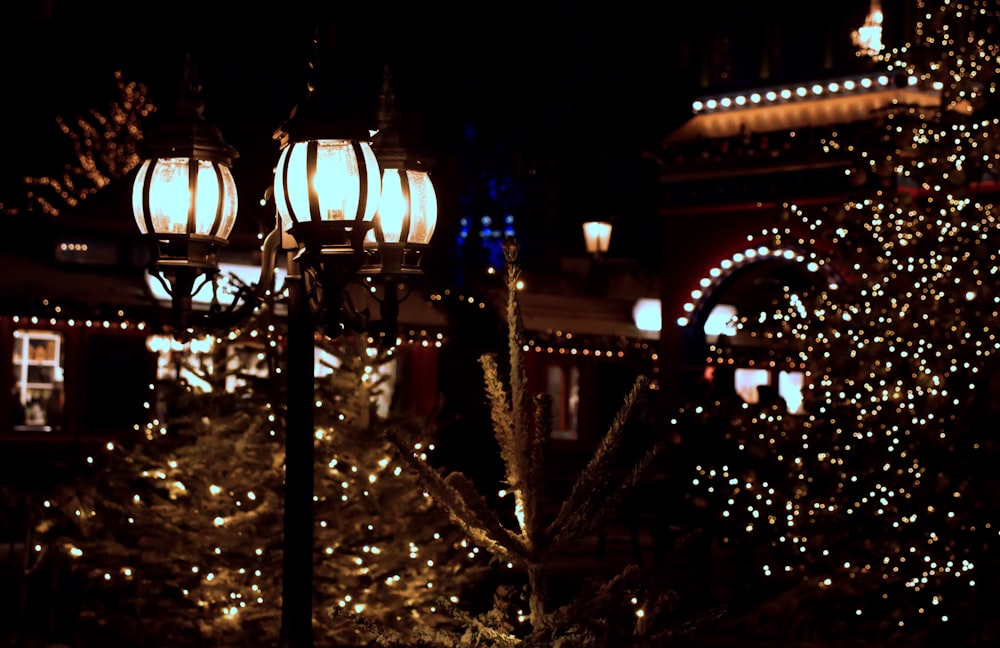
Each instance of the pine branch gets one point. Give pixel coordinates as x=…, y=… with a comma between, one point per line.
x=525, y=445
x=386, y=636
x=598, y=509
x=515, y=335
x=479, y=632
x=584, y=499
x=504, y=427
x=538, y=473
x=465, y=506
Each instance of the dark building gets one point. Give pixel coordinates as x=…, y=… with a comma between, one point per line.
x=767, y=87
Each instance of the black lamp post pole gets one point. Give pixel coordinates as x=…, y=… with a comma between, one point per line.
x=297, y=561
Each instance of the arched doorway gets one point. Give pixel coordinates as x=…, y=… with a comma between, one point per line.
x=740, y=325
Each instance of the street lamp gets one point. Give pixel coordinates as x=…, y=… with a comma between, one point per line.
x=341, y=217
x=597, y=236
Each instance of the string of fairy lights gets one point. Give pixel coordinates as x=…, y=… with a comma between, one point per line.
x=774, y=244
x=230, y=590
x=215, y=589
x=794, y=517
x=221, y=582
x=561, y=342
x=222, y=587
x=896, y=354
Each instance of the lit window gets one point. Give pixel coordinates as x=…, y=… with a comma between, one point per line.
x=647, y=315
x=748, y=381
x=38, y=380
x=230, y=278
x=790, y=385
x=754, y=386
x=721, y=321
x=562, y=382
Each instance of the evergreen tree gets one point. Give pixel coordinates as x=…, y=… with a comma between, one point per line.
x=177, y=538
x=525, y=541
x=871, y=514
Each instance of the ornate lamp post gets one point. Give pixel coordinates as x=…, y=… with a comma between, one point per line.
x=335, y=229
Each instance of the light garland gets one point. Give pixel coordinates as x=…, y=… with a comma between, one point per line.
x=896, y=359
x=34, y=320
x=775, y=244
x=779, y=95
x=234, y=580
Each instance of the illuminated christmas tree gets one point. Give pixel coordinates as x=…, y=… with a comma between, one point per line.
x=870, y=514
x=177, y=539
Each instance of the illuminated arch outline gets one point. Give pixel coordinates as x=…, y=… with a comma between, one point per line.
x=774, y=248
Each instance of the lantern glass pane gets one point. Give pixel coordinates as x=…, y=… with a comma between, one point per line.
x=335, y=179
x=140, y=181
x=170, y=197
x=289, y=167
x=392, y=205
x=374, y=181
x=423, y=207
x=216, y=203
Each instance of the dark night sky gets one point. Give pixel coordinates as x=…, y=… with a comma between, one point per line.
x=587, y=87
x=507, y=70
x=572, y=91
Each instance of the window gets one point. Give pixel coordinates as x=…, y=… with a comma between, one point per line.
x=749, y=381
x=722, y=320
x=790, y=386
x=754, y=386
x=562, y=382
x=38, y=380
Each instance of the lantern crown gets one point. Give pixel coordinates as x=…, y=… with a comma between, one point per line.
x=325, y=108
x=185, y=133
x=407, y=210
x=396, y=147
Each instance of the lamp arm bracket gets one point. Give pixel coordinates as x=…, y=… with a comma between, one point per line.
x=393, y=284
x=204, y=280
x=163, y=281
x=248, y=298
x=386, y=326
x=346, y=315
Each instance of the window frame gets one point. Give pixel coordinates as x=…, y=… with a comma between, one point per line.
x=38, y=415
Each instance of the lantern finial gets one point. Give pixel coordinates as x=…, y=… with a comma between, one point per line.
x=325, y=108
x=185, y=132
x=407, y=212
